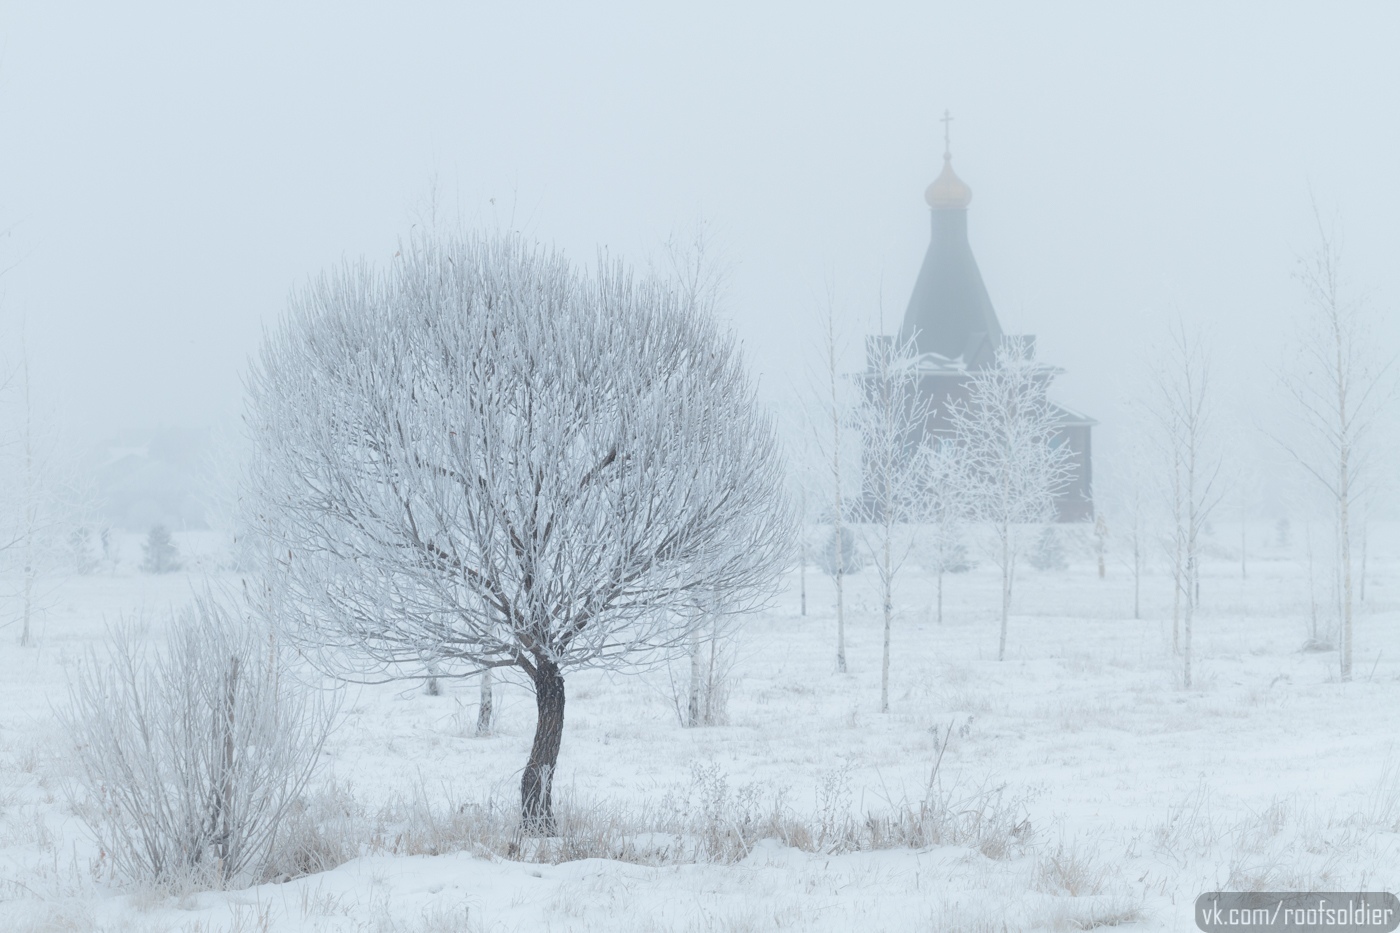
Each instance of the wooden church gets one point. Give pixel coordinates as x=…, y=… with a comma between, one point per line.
x=955, y=331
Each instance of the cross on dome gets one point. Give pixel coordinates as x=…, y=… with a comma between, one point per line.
x=948, y=191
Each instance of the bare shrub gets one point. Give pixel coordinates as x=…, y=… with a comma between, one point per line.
x=981, y=817
x=720, y=824
x=1069, y=870
x=321, y=831
x=192, y=756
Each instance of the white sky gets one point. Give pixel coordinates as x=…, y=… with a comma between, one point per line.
x=168, y=172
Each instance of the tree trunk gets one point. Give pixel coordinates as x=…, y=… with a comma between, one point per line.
x=887, y=607
x=940, y=594
x=537, y=783
x=1364, y=538
x=692, y=709
x=709, y=714
x=1186, y=643
x=485, y=708
x=1344, y=528
x=1244, y=568
x=1312, y=584
x=1005, y=589
x=221, y=817
x=31, y=512
x=839, y=519
x=840, y=617
x=802, y=575
x=1101, y=543
x=1176, y=602
x=1193, y=570
x=27, y=610
x=1137, y=579
x=1344, y=435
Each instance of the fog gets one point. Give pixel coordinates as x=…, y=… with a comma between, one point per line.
x=170, y=172
x=896, y=640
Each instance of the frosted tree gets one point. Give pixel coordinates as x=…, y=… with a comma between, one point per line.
x=807, y=474
x=829, y=420
x=46, y=501
x=31, y=524
x=1007, y=434
x=1181, y=408
x=700, y=272
x=1101, y=543
x=482, y=458
x=891, y=415
x=1132, y=512
x=942, y=507
x=159, y=552
x=1338, y=384
x=712, y=653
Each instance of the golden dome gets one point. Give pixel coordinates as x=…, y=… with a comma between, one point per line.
x=948, y=191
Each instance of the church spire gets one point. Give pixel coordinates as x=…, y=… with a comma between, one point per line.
x=950, y=312
x=948, y=191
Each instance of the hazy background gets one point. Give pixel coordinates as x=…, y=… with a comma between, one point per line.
x=169, y=171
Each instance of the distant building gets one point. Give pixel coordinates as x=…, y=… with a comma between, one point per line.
x=955, y=331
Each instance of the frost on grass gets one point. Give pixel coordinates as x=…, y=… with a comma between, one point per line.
x=705, y=820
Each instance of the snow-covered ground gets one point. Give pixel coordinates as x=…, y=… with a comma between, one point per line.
x=1136, y=795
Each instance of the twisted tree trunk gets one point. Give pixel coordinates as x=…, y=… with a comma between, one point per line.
x=536, y=784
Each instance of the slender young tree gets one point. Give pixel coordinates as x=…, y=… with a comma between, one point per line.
x=1181, y=406
x=828, y=422
x=1134, y=519
x=943, y=508
x=1101, y=543
x=30, y=518
x=891, y=414
x=38, y=522
x=1006, y=433
x=482, y=457
x=1244, y=486
x=1339, y=384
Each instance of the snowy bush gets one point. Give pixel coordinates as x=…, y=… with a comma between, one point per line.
x=847, y=559
x=192, y=756
x=1049, y=551
x=161, y=555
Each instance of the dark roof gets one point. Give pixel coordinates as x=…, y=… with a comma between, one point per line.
x=950, y=312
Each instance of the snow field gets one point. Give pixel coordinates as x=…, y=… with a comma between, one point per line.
x=1133, y=796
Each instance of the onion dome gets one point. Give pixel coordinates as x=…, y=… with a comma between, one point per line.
x=948, y=191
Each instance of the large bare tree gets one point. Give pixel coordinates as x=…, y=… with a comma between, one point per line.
x=481, y=458
x=1338, y=383
x=1013, y=463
